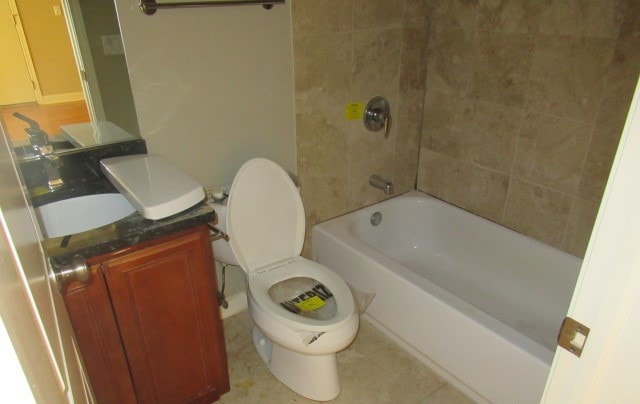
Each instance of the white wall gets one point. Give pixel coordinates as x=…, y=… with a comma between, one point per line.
x=212, y=86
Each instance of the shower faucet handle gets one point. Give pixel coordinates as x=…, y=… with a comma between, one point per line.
x=377, y=115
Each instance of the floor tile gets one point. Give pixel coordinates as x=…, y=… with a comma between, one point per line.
x=373, y=369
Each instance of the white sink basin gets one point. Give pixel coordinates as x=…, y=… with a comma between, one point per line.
x=83, y=213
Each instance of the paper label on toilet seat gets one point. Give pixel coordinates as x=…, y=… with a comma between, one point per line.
x=305, y=297
x=313, y=303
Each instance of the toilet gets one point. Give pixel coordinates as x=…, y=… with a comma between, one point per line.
x=303, y=312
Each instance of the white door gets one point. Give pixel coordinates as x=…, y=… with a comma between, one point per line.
x=31, y=309
x=607, y=295
x=16, y=86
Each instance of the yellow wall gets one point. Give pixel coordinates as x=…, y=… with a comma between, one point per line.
x=15, y=81
x=50, y=47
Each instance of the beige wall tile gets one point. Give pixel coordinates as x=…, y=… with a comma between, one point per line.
x=602, y=151
x=311, y=17
x=455, y=13
x=449, y=60
x=416, y=12
x=509, y=16
x=322, y=137
x=630, y=26
x=581, y=220
x=623, y=74
x=478, y=132
x=413, y=60
x=466, y=185
x=568, y=76
x=501, y=66
x=405, y=170
x=614, y=110
x=450, y=39
x=621, y=81
x=537, y=212
x=324, y=195
x=408, y=126
x=322, y=163
x=377, y=14
x=376, y=63
x=408, y=120
x=551, y=151
x=323, y=62
x=583, y=18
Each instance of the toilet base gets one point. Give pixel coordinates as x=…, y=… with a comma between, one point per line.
x=314, y=377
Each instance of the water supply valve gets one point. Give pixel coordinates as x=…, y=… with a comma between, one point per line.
x=377, y=115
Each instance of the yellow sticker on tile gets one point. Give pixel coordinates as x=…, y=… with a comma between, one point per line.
x=313, y=303
x=354, y=111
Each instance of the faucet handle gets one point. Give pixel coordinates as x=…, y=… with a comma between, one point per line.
x=377, y=115
x=387, y=125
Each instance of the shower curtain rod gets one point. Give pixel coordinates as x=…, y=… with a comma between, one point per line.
x=149, y=7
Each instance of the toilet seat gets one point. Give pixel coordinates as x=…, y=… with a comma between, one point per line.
x=260, y=281
x=265, y=215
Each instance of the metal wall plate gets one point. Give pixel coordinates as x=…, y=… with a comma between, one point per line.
x=573, y=336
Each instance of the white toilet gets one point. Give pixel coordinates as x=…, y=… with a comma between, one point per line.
x=304, y=313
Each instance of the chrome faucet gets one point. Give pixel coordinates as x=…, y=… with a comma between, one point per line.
x=51, y=164
x=379, y=182
x=43, y=149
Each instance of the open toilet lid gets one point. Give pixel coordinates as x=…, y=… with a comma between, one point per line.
x=265, y=215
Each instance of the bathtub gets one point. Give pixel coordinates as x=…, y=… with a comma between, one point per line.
x=477, y=302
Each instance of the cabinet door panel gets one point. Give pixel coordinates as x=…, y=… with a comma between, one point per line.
x=164, y=298
x=95, y=326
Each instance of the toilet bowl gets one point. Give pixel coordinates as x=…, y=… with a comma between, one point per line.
x=303, y=312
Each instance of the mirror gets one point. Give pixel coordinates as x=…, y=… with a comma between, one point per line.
x=102, y=111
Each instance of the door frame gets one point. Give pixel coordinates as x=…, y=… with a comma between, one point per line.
x=25, y=50
x=84, y=60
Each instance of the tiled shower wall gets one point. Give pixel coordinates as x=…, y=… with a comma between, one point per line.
x=525, y=104
x=349, y=51
x=520, y=123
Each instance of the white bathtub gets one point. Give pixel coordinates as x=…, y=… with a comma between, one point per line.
x=479, y=303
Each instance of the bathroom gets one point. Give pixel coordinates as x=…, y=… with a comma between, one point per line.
x=260, y=92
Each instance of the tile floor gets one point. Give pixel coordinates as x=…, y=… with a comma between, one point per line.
x=373, y=370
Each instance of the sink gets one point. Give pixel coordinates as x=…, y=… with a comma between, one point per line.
x=75, y=215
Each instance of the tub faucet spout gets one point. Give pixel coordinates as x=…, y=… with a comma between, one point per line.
x=379, y=182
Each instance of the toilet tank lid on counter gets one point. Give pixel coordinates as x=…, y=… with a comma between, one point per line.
x=152, y=184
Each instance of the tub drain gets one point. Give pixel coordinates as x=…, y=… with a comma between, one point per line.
x=376, y=218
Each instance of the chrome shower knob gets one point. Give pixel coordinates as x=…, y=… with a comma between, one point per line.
x=377, y=115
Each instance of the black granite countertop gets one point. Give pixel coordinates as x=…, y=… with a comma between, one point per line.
x=81, y=174
x=126, y=232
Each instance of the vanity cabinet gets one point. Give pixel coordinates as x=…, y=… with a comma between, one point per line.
x=148, y=325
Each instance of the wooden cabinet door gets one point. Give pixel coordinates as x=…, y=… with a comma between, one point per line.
x=96, y=331
x=165, y=302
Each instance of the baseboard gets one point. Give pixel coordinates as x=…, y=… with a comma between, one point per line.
x=59, y=98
